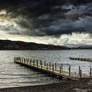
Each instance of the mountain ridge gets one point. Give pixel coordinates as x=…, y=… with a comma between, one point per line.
x=20, y=45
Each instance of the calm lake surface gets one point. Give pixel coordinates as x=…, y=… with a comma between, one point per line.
x=15, y=75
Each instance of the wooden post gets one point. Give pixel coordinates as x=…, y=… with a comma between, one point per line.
x=14, y=59
x=27, y=60
x=37, y=62
x=44, y=63
x=23, y=60
x=90, y=72
x=52, y=67
x=33, y=62
x=20, y=59
x=61, y=68
x=80, y=72
x=47, y=66
x=30, y=61
x=41, y=64
x=55, y=66
x=69, y=70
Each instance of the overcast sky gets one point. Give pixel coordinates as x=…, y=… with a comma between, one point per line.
x=62, y=22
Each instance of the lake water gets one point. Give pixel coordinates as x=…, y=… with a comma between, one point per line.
x=15, y=75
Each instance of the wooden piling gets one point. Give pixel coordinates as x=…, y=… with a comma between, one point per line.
x=30, y=62
x=41, y=64
x=52, y=67
x=69, y=70
x=47, y=66
x=90, y=72
x=34, y=62
x=44, y=63
x=37, y=63
x=55, y=66
x=80, y=72
x=61, y=68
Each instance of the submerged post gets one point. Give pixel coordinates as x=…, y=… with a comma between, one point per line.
x=90, y=72
x=80, y=72
x=69, y=70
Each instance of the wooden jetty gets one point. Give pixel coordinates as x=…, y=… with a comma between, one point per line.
x=81, y=59
x=52, y=68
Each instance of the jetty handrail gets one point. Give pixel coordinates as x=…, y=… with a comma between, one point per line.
x=52, y=68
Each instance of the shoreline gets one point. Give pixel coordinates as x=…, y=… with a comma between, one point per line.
x=84, y=85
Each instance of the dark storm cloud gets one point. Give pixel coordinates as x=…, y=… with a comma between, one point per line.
x=48, y=17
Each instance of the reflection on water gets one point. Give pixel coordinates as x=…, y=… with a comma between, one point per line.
x=12, y=74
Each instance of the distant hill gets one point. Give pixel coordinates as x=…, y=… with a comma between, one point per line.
x=19, y=45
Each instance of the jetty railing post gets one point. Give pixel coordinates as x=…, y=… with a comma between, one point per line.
x=33, y=62
x=61, y=68
x=22, y=60
x=55, y=66
x=27, y=60
x=47, y=66
x=44, y=63
x=80, y=72
x=41, y=64
x=52, y=67
x=90, y=72
x=30, y=62
x=37, y=62
x=69, y=70
x=14, y=59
